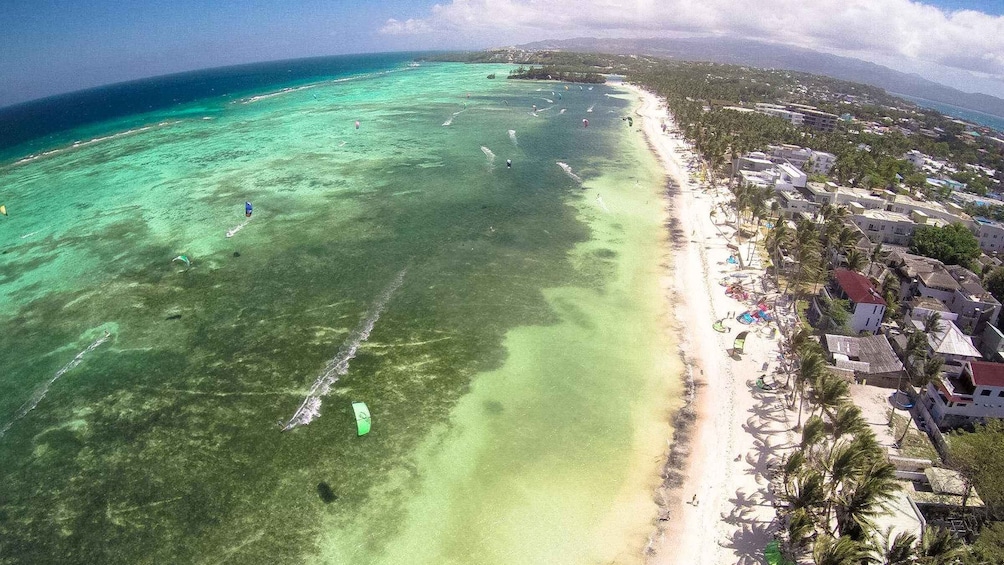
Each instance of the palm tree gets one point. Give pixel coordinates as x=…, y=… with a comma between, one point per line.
x=932, y=323
x=898, y=550
x=829, y=392
x=806, y=492
x=847, y=421
x=840, y=465
x=812, y=433
x=855, y=260
x=800, y=528
x=939, y=547
x=778, y=238
x=863, y=496
x=840, y=551
x=811, y=365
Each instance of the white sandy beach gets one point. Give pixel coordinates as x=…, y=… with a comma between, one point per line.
x=722, y=512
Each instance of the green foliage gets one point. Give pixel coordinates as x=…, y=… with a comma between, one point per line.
x=989, y=547
x=557, y=73
x=994, y=282
x=979, y=457
x=952, y=245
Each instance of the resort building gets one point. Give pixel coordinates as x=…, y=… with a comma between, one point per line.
x=844, y=195
x=803, y=158
x=956, y=287
x=950, y=212
x=795, y=118
x=975, y=394
x=990, y=234
x=866, y=305
x=816, y=119
x=884, y=227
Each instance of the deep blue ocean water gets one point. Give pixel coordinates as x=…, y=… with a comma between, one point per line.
x=41, y=124
x=975, y=116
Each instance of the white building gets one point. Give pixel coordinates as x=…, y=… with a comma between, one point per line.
x=867, y=307
x=976, y=394
x=881, y=226
x=818, y=161
x=796, y=118
x=949, y=212
x=990, y=234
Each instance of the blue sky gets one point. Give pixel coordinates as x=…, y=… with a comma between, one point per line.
x=52, y=46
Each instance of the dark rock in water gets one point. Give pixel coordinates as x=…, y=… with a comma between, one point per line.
x=324, y=491
x=173, y=317
x=237, y=253
x=6, y=251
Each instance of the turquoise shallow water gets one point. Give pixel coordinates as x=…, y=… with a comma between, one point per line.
x=161, y=444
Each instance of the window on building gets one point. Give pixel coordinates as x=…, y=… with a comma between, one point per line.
x=1000, y=394
x=984, y=392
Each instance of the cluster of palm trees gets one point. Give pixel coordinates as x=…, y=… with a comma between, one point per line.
x=837, y=480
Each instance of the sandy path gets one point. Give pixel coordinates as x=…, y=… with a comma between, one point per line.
x=733, y=517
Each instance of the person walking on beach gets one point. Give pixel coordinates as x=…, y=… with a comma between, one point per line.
x=694, y=500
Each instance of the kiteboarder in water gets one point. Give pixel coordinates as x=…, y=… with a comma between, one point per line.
x=508, y=163
x=248, y=209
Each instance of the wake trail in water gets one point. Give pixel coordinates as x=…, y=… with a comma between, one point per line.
x=491, y=156
x=41, y=391
x=454, y=115
x=601, y=204
x=549, y=101
x=233, y=231
x=568, y=171
x=310, y=408
x=512, y=137
x=590, y=109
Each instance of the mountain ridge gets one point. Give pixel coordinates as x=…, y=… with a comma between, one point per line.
x=768, y=55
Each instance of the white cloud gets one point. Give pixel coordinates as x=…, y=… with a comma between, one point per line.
x=890, y=29
x=407, y=27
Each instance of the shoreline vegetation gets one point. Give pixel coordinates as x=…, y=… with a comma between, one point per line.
x=734, y=486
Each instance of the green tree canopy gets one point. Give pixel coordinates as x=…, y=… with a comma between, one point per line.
x=952, y=245
x=994, y=282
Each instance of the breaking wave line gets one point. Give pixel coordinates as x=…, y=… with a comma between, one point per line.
x=488, y=153
x=41, y=391
x=568, y=171
x=310, y=408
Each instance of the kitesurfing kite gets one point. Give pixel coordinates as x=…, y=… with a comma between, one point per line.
x=739, y=345
x=362, y=418
x=184, y=259
x=248, y=209
x=3, y=210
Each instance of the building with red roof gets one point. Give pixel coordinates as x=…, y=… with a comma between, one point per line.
x=867, y=306
x=975, y=395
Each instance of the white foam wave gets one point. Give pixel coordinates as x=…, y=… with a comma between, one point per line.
x=310, y=408
x=512, y=137
x=549, y=101
x=568, y=171
x=454, y=115
x=488, y=153
x=41, y=391
x=590, y=109
x=233, y=231
x=562, y=110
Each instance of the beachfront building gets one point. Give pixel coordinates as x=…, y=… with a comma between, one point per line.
x=867, y=307
x=802, y=157
x=948, y=342
x=949, y=212
x=843, y=195
x=778, y=111
x=990, y=234
x=870, y=358
x=817, y=119
x=956, y=287
x=793, y=204
x=975, y=394
x=881, y=226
